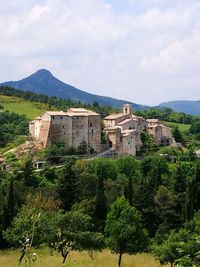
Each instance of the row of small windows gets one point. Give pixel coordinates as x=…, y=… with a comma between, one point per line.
x=79, y=126
x=53, y=117
x=61, y=117
x=75, y=118
x=78, y=118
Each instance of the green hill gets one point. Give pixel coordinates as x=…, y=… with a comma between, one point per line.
x=187, y=106
x=182, y=127
x=23, y=107
x=43, y=82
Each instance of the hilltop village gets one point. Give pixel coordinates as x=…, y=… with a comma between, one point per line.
x=81, y=127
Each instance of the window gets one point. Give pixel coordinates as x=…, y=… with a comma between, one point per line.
x=61, y=117
x=53, y=117
x=63, y=126
x=90, y=124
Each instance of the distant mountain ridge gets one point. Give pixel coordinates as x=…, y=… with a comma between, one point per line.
x=43, y=82
x=187, y=106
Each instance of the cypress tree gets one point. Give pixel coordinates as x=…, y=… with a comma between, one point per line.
x=68, y=185
x=193, y=193
x=128, y=191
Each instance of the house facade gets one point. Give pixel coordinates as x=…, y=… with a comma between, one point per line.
x=161, y=133
x=123, y=131
x=76, y=127
x=81, y=127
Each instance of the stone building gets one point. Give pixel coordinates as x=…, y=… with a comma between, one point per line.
x=161, y=133
x=123, y=131
x=77, y=127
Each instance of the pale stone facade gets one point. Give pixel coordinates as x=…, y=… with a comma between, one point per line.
x=76, y=127
x=123, y=131
x=161, y=133
x=80, y=127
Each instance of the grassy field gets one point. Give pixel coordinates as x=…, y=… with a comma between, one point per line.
x=20, y=106
x=103, y=259
x=182, y=127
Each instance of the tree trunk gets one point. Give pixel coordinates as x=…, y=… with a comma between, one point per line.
x=64, y=257
x=171, y=264
x=120, y=260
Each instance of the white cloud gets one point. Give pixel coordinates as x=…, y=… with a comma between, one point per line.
x=136, y=54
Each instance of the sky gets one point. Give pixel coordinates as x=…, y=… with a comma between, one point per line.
x=144, y=51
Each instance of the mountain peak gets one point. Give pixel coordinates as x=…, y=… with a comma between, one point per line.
x=44, y=82
x=43, y=72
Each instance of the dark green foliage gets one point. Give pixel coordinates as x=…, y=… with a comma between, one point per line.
x=153, y=170
x=39, y=222
x=167, y=114
x=193, y=198
x=180, y=248
x=148, y=142
x=53, y=101
x=11, y=125
x=100, y=201
x=171, y=249
x=128, y=191
x=177, y=135
x=68, y=185
x=76, y=232
x=128, y=166
x=195, y=127
x=28, y=175
x=83, y=148
x=32, y=223
x=164, y=191
x=9, y=211
x=124, y=230
x=57, y=149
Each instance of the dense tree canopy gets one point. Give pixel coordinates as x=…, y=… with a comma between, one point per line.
x=158, y=193
x=124, y=230
x=11, y=126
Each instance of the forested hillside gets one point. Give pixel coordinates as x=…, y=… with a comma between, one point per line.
x=11, y=126
x=185, y=127
x=92, y=201
x=52, y=102
x=124, y=204
x=43, y=82
x=186, y=106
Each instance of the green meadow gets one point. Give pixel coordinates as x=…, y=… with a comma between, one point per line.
x=23, y=107
x=182, y=127
x=82, y=259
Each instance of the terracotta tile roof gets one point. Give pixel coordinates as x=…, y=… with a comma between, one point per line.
x=81, y=112
x=128, y=132
x=57, y=113
x=125, y=121
x=153, y=121
x=114, y=116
